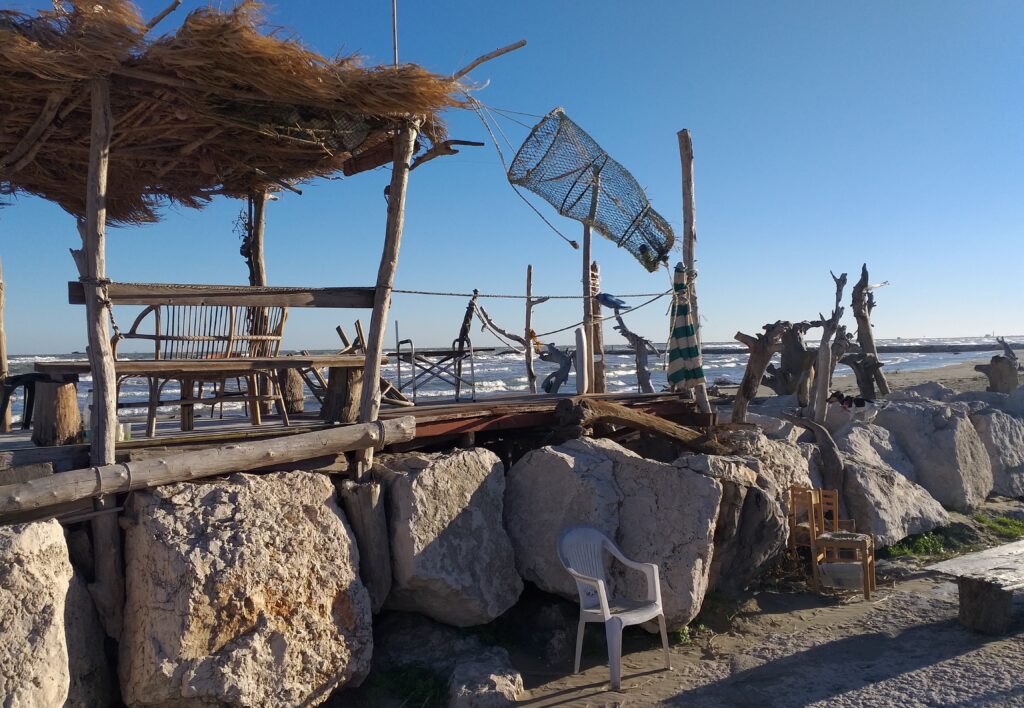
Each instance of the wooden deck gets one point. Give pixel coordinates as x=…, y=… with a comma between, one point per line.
x=435, y=422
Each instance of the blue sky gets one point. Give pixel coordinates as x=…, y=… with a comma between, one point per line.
x=825, y=134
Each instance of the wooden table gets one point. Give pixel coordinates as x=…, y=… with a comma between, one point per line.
x=986, y=581
x=343, y=387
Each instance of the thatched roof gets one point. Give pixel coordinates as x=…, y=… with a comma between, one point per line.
x=217, y=107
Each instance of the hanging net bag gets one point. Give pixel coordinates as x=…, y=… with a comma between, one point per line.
x=562, y=164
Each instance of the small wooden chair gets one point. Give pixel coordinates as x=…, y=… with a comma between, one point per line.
x=814, y=523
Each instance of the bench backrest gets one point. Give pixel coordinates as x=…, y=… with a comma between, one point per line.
x=209, y=331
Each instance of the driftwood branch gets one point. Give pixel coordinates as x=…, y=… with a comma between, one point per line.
x=1002, y=374
x=556, y=379
x=797, y=362
x=762, y=348
x=862, y=302
x=864, y=368
x=441, y=149
x=163, y=13
x=488, y=324
x=116, y=478
x=588, y=412
x=833, y=470
x=823, y=367
x=487, y=57
x=1007, y=350
x=641, y=348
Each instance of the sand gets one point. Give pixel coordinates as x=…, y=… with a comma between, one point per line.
x=959, y=377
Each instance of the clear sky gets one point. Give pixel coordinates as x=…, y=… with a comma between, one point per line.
x=825, y=133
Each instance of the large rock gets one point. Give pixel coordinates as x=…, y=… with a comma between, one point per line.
x=1003, y=436
x=242, y=592
x=34, y=577
x=949, y=457
x=884, y=503
x=451, y=558
x=93, y=677
x=655, y=512
x=751, y=530
x=477, y=675
x=874, y=446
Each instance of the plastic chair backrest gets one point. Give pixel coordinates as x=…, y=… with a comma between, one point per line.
x=581, y=549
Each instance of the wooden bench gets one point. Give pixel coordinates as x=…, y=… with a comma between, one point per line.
x=205, y=332
x=986, y=581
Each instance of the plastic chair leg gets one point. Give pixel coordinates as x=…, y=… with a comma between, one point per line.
x=664, y=640
x=579, y=645
x=613, y=633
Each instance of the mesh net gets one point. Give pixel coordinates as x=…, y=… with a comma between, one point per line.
x=565, y=166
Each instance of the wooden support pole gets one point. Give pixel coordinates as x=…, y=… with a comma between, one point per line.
x=257, y=230
x=5, y=417
x=369, y=402
x=600, y=384
x=531, y=375
x=582, y=357
x=588, y=291
x=690, y=247
x=108, y=588
x=365, y=511
x=111, y=479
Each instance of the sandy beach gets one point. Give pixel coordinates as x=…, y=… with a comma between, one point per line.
x=959, y=377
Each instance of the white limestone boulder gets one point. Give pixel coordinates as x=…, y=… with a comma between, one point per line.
x=655, y=512
x=751, y=529
x=451, y=558
x=486, y=681
x=1003, y=436
x=949, y=457
x=874, y=445
x=884, y=503
x=242, y=592
x=34, y=576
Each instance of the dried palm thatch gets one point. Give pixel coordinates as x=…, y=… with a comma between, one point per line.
x=217, y=107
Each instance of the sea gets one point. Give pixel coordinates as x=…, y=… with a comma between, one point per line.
x=504, y=372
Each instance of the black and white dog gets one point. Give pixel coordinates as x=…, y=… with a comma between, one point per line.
x=858, y=408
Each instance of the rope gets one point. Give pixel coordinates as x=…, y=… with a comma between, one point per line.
x=602, y=319
x=522, y=297
x=501, y=156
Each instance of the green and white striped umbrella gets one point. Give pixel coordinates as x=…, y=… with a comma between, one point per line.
x=685, y=368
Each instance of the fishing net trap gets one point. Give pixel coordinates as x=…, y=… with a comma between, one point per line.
x=562, y=164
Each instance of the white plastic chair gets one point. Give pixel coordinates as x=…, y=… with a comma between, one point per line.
x=581, y=550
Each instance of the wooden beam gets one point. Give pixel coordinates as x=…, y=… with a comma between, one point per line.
x=369, y=402
x=257, y=230
x=587, y=412
x=240, y=295
x=111, y=479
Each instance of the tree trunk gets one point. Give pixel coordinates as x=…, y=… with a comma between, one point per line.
x=796, y=362
x=364, y=509
x=823, y=366
x=761, y=348
x=1002, y=374
x=293, y=390
x=57, y=420
x=864, y=371
x=369, y=404
x=862, y=303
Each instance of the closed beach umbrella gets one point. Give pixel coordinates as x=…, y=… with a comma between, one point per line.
x=685, y=368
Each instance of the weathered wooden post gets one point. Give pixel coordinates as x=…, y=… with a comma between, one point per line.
x=588, y=289
x=531, y=375
x=582, y=357
x=599, y=384
x=689, y=248
x=369, y=401
x=5, y=419
x=108, y=588
x=863, y=302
